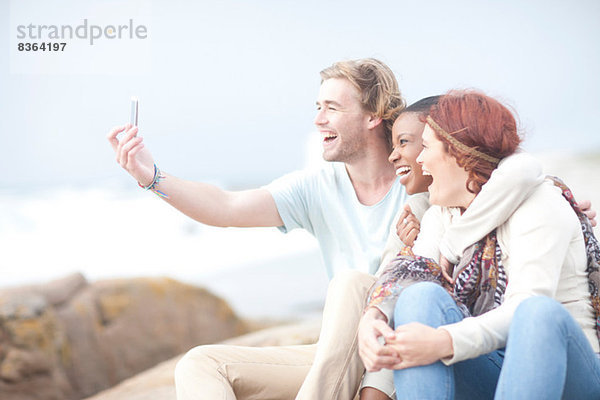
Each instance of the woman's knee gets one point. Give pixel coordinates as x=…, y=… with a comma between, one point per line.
x=541, y=314
x=422, y=293
x=540, y=309
x=421, y=300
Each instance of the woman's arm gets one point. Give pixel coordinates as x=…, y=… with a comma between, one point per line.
x=538, y=239
x=516, y=177
x=419, y=344
x=434, y=224
x=541, y=236
x=418, y=203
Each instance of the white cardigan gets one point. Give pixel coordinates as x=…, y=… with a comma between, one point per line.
x=543, y=253
x=512, y=182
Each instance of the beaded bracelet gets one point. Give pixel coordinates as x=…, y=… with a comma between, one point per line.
x=158, y=176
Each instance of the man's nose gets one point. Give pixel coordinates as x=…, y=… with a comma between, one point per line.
x=320, y=118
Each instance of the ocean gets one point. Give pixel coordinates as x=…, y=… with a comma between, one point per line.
x=112, y=232
x=117, y=230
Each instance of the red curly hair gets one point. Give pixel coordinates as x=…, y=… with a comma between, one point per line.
x=479, y=122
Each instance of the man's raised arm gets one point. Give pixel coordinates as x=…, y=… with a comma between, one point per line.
x=203, y=202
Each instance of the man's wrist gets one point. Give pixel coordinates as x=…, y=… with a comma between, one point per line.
x=158, y=176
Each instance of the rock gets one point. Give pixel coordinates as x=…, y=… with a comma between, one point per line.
x=20, y=364
x=71, y=339
x=154, y=384
x=32, y=343
x=119, y=328
x=59, y=291
x=21, y=305
x=157, y=383
x=55, y=292
x=306, y=332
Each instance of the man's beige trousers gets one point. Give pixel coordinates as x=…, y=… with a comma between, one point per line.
x=328, y=370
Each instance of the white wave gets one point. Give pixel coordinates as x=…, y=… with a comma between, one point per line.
x=108, y=234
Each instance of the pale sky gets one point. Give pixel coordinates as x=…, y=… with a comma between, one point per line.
x=227, y=88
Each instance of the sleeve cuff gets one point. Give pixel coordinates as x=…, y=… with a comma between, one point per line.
x=387, y=309
x=464, y=341
x=446, y=251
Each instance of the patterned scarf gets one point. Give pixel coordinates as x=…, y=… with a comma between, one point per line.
x=479, y=283
x=592, y=248
x=480, y=278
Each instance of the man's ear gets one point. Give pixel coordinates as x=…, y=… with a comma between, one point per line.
x=374, y=121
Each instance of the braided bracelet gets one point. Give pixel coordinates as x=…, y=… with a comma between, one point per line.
x=158, y=176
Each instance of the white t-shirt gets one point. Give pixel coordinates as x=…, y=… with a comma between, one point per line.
x=323, y=201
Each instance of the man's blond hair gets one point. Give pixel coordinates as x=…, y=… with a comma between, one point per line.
x=377, y=86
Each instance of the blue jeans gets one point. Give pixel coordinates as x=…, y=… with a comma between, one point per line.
x=547, y=354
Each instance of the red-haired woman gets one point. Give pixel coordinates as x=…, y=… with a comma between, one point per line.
x=516, y=320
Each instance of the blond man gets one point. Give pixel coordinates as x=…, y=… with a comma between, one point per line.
x=348, y=205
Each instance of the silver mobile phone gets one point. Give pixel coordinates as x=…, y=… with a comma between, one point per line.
x=134, y=111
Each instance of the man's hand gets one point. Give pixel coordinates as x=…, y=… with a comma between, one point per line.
x=131, y=153
x=419, y=344
x=586, y=208
x=408, y=226
x=254, y=207
x=375, y=355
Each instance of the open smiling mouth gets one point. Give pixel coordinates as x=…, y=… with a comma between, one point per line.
x=403, y=170
x=330, y=137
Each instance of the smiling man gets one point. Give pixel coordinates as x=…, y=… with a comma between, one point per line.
x=348, y=205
